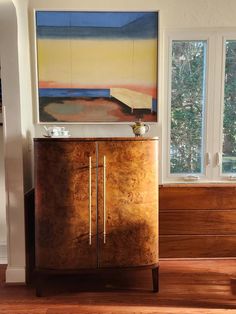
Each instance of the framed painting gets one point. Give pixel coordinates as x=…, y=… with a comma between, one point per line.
x=97, y=67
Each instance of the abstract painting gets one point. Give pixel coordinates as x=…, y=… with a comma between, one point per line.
x=97, y=67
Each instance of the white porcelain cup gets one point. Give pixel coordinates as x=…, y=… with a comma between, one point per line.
x=55, y=132
x=65, y=132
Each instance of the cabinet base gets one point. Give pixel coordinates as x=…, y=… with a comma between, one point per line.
x=42, y=274
x=155, y=279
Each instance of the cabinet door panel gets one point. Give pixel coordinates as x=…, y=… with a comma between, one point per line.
x=62, y=205
x=131, y=192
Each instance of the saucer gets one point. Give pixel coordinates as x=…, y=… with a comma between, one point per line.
x=58, y=136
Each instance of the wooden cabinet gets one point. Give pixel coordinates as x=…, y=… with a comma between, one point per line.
x=96, y=204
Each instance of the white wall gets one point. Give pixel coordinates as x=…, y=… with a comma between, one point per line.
x=174, y=13
x=3, y=229
x=13, y=142
x=27, y=127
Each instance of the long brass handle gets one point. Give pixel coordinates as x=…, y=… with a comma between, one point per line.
x=90, y=200
x=104, y=199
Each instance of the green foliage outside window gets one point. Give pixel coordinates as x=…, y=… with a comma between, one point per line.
x=229, y=124
x=187, y=106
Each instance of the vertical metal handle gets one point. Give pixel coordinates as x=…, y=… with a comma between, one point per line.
x=104, y=199
x=90, y=200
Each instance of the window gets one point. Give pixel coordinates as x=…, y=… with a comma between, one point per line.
x=187, y=106
x=200, y=107
x=229, y=122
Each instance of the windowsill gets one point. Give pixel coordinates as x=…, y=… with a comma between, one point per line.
x=199, y=184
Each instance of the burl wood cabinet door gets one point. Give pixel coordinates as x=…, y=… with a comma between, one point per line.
x=128, y=203
x=63, y=221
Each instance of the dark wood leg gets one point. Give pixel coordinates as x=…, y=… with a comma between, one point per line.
x=39, y=284
x=155, y=279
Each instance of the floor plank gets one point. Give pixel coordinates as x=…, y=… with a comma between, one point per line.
x=186, y=287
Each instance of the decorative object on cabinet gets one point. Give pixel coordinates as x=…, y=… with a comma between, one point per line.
x=56, y=131
x=140, y=128
x=97, y=67
x=96, y=205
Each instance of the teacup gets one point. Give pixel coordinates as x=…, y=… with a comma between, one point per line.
x=56, y=131
x=64, y=132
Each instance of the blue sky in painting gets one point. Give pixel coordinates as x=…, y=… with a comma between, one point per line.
x=88, y=19
x=99, y=25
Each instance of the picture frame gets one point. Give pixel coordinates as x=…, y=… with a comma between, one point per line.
x=97, y=67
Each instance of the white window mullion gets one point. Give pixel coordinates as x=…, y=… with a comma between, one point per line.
x=167, y=40
x=208, y=157
x=212, y=114
x=218, y=107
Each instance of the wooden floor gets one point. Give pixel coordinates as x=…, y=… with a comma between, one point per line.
x=185, y=287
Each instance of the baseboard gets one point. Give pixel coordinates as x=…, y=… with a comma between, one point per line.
x=3, y=253
x=15, y=274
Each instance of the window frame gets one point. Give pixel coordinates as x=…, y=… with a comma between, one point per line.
x=169, y=37
x=214, y=105
x=203, y=122
x=223, y=36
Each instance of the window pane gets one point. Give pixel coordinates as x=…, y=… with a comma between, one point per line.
x=187, y=106
x=229, y=123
